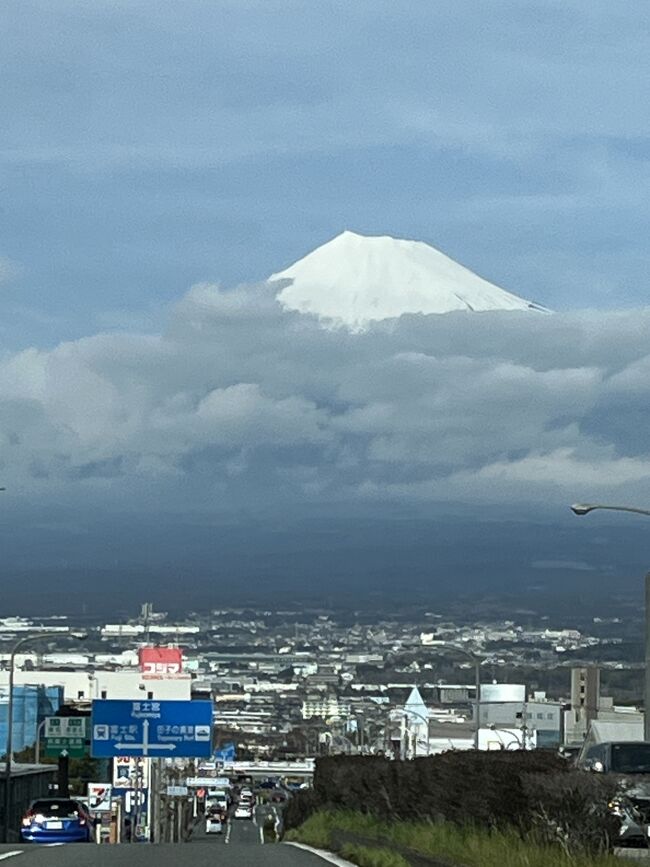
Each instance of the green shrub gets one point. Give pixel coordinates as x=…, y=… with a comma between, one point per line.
x=532, y=793
x=300, y=807
x=314, y=832
x=372, y=857
x=464, y=846
x=571, y=810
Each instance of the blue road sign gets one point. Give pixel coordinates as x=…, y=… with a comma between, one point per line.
x=162, y=729
x=135, y=800
x=227, y=753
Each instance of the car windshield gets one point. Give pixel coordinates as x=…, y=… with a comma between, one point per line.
x=631, y=758
x=62, y=807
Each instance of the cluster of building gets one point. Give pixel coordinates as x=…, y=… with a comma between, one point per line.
x=295, y=683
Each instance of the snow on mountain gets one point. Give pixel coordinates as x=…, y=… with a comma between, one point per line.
x=354, y=280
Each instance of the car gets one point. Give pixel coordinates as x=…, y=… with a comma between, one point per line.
x=56, y=820
x=214, y=823
x=218, y=798
x=630, y=762
x=244, y=811
x=618, y=757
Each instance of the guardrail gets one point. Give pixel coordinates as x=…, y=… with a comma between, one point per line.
x=300, y=768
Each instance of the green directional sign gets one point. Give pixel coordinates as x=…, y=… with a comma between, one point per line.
x=66, y=734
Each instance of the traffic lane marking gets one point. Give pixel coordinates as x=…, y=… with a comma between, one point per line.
x=321, y=853
x=244, y=833
x=11, y=854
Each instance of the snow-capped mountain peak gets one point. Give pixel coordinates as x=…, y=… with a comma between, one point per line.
x=355, y=279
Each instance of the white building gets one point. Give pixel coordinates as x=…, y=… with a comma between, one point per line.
x=85, y=686
x=325, y=706
x=416, y=723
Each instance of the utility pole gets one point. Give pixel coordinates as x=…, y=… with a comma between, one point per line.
x=154, y=797
x=403, y=736
x=64, y=775
x=585, y=509
x=646, y=693
x=37, y=749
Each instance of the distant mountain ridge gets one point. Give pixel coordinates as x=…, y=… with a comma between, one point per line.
x=355, y=279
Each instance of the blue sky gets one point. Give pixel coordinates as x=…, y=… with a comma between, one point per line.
x=148, y=148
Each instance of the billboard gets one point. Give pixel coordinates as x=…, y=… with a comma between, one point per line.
x=158, y=662
x=503, y=692
x=99, y=797
x=130, y=773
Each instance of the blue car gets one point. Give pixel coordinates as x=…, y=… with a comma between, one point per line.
x=56, y=820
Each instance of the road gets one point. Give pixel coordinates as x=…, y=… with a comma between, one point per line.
x=244, y=849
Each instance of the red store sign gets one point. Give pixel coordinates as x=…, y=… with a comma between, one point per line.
x=160, y=661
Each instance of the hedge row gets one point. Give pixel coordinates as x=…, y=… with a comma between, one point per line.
x=534, y=792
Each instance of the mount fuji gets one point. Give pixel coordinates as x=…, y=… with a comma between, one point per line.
x=354, y=280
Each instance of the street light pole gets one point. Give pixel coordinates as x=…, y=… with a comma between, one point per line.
x=585, y=509
x=9, y=746
x=37, y=750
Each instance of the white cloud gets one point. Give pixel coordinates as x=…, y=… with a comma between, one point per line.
x=261, y=404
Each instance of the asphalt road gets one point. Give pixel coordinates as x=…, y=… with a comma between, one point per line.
x=244, y=849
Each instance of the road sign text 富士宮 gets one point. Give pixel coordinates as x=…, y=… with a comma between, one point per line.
x=164, y=729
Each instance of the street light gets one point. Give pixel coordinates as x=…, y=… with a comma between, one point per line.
x=33, y=636
x=585, y=509
x=515, y=740
x=376, y=735
x=476, y=662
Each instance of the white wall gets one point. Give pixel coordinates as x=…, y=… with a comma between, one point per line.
x=116, y=684
x=505, y=739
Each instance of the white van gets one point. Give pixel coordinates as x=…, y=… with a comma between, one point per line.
x=213, y=824
x=217, y=798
